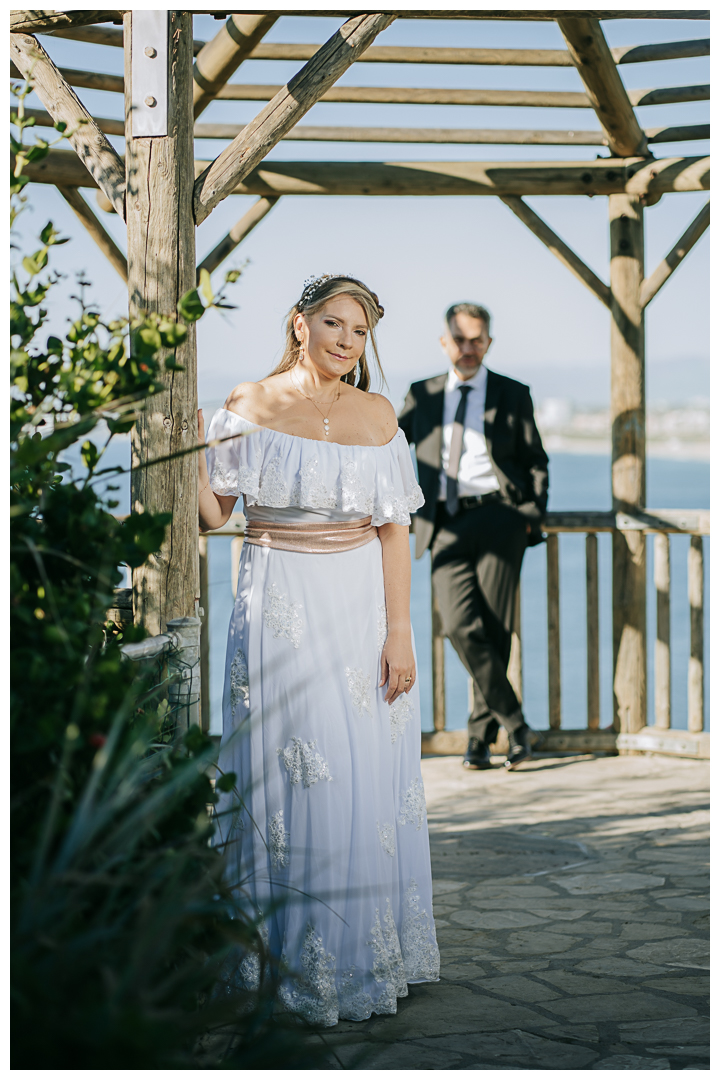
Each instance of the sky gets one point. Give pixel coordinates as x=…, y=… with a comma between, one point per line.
x=421, y=254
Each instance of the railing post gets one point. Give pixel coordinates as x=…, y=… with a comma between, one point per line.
x=593, y=631
x=662, y=635
x=515, y=664
x=553, y=617
x=204, y=635
x=438, y=665
x=184, y=665
x=696, y=679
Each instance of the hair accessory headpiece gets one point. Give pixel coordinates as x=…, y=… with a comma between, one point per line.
x=312, y=284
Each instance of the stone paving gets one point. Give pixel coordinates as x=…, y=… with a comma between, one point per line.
x=572, y=908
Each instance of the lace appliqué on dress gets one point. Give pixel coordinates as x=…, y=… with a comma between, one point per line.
x=239, y=681
x=412, y=805
x=354, y=1003
x=273, y=489
x=312, y=994
x=401, y=712
x=388, y=967
x=310, y=490
x=419, y=945
x=359, y=686
x=387, y=838
x=282, y=617
x=278, y=841
x=382, y=627
x=355, y=494
x=303, y=764
x=224, y=481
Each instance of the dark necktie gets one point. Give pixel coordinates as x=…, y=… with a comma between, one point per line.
x=456, y=441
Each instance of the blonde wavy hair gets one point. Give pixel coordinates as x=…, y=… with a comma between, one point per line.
x=314, y=296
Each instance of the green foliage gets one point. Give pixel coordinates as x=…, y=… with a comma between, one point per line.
x=121, y=923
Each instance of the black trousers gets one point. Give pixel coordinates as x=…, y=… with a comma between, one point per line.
x=476, y=561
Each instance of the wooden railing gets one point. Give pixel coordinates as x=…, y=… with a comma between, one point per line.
x=658, y=737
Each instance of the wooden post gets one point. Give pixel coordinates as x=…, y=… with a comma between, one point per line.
x=662, y=634
x=627, y=406
x=592, y=615
x=553, y=617
x=515, y=674
x=438, y=665
x=204, y=635
x=696, y=679
x=161, y=268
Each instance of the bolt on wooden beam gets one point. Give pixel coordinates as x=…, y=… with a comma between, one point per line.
x=598, y=71
x=651, y=286
x=285, y=109
x=98, y=155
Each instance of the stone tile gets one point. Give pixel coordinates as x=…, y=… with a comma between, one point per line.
x=631, y=1061
x=516, y=988
x=676, y=870
x=518, y=1049
x=512, y=966
x=441, y=886
x=689, y=952
x=598, y=947
x=672, y=853
x=494, y=920
x=594, y=884
x=444, y=1009
x=692, y=1031
x=539, y=942
x=583, y=984
x=584, y=926
x=460, y=972
x=680, y=1051
x=564, y=916
x=619, y=965
x=575, y=1033
x=400, y=1056
x=516, y=892
x=642, y=931
x=686, y=984
x=684, y=903
x=473, y=939
x=601, y=1007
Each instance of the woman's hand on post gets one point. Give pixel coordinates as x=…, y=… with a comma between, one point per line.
x=397, y=666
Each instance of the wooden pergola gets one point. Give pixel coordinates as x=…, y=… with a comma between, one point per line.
x=162, y=192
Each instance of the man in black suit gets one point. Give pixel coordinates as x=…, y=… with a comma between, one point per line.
x=483, y=472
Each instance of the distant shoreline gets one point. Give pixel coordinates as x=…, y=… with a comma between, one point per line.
x=668, y=449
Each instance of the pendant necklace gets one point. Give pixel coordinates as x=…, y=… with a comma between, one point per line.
x=324, y=413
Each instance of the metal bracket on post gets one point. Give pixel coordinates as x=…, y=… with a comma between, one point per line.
x=149, y=114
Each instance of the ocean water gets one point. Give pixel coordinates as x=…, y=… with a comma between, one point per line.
x=578, y=482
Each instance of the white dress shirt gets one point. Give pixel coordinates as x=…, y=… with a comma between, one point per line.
x=475, y=474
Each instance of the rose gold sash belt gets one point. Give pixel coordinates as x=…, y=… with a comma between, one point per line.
x=317, y=539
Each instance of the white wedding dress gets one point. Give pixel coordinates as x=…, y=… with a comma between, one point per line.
x=331, y=841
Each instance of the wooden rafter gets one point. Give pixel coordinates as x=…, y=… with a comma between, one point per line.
x=42, y=22
x=99, y=234
x=222, y=56
x=559, y=248
x=652, y=285
x=505, y=14
x=603, y=176
x=285, y=109
x=408, y=54
x=400, y=95
x=237, y=234
x=597, y=69
x=90, y=144
x=492, y=136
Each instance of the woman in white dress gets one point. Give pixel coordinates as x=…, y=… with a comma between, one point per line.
x=321, y=715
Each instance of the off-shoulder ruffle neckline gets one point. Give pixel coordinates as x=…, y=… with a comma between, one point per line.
x=302, y=438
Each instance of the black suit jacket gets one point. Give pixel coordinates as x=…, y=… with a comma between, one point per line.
x=513, y=443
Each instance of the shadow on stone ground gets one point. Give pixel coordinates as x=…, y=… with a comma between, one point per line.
x=571, y=903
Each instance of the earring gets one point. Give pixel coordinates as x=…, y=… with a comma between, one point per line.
x=301, y=353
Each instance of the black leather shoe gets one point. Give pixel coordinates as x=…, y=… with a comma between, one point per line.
x=477, y=755
x=520, y=749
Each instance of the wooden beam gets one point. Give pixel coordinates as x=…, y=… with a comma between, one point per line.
x=97, y=154
x=404, y=54
x=222, y=56
x=101, y=237
x=491, y=136
x=521, y=15
x=42, y=22
x=285, y=109
x=600, y=177
x=598, y=71
x=394, y=95
x=652, y=285
x=161, y=269
x=627, y=412
x=559, y=248
x=237, y=234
